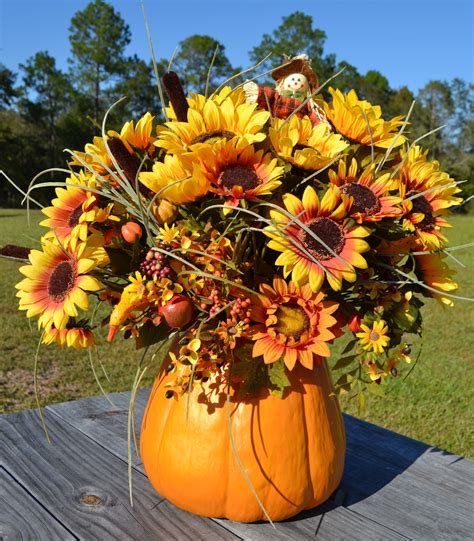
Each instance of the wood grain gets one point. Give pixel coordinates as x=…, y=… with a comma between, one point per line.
x=407, y=485
x=22, y=517
x=85, y=487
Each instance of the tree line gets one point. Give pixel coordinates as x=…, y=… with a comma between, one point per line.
x=44, y=109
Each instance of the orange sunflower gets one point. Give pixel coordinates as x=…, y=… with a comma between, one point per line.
x=434, y=272
x=303, y=254
x=56, y=281
x=74, y=210
x=235, y=170
x=293, y=324
x=370, y=195
x=426, y=192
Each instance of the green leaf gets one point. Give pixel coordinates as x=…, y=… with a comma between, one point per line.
x=376, y=389
x=350, y=345
x=344, y=361
x=278, y=378
x=150, y=334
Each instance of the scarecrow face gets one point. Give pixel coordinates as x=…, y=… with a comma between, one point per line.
x=296, y=82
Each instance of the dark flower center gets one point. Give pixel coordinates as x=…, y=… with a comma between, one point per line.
x=421, y=205
x=365, y=201
x=75, y=215
x=212, y=136
x=239, y=175
x=300, y=146
x=329, y=232
x=292, y=321
x=61, y=281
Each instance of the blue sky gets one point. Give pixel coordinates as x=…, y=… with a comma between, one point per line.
x=409, y=41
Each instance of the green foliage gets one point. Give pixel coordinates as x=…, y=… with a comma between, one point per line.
x=193, y=60
x=278, y=378
x=8, y=92
x=98, y=37
x=139, y=88
x=295, y=35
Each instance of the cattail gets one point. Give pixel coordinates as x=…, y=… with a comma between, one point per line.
x=176, y=95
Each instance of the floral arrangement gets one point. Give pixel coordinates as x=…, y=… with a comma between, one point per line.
x=246, y=239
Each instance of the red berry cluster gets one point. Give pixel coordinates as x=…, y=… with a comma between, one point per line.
x=240, y=311
x=154, y=265
x=216, y=302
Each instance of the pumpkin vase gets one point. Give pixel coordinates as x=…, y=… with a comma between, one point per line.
x=291, y=448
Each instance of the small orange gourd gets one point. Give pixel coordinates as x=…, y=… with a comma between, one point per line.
x=292, y=449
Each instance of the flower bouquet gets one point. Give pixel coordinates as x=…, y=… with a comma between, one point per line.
x=249, y=231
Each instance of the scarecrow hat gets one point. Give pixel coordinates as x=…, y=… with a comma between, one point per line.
x=297, y=64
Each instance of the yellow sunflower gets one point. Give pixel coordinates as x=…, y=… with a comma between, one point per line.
x=198, y=101
x=235, y=170
x=56, y=281
x=74, y=210
x=137, y=136
x=370, y=194
x=358, y=120
x=95, y=155
x=434, y=272
x=293, y=324
x=303, y=255
x=175, y=179
x=213, y=122
x=426, y=192
x=71, y=336
x=307, y=147
x=374, y=338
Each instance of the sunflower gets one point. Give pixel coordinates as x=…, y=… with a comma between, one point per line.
x=95, y=155
x=426, y=192
x=361, y=122
x=56, y=281
x=174, y=179
x=74, y=209
x=198, y=101
x=435, y=273
x=211, y=123
x=371, y=200
x=303, y=255
x=293, y=324
x=374, y=338
x=73, y=336
x=298, y=142
x=235, y=170
x=137, y=136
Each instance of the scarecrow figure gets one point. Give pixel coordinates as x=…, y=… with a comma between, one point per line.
x=295, y=83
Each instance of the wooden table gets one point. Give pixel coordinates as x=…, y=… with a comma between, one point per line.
x=77, y=488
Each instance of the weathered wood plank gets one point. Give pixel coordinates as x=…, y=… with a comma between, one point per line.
x=330, y=521
x=22, y=517
x=422, y=492
x=86, y=487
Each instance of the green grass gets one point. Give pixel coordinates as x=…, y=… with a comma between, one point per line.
x=433, y=404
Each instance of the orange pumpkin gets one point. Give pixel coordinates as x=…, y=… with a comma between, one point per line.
x=292, y=449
